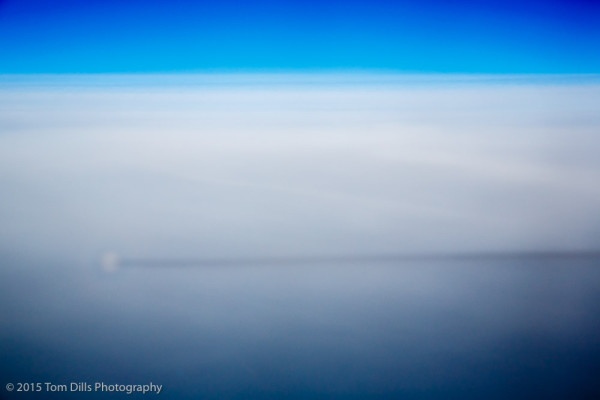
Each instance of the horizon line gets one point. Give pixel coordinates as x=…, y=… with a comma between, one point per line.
x=275, y=78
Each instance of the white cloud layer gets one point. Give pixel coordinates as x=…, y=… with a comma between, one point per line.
x=305, y=169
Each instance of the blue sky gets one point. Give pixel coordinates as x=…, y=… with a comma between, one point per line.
x=66, y=36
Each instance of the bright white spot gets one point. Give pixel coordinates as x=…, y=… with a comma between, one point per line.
x=110, y=262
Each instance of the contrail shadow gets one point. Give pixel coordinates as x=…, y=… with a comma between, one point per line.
x=112, y=261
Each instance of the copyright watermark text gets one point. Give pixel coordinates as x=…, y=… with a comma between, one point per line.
x=82, y=387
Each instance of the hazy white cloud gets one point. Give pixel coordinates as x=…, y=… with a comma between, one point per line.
x=307, y=169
